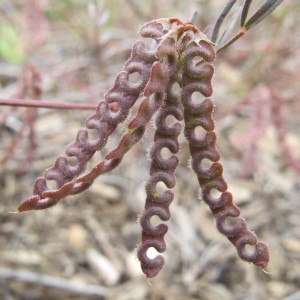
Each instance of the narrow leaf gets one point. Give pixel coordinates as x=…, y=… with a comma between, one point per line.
x=230, y=27
x=267, y=8
x=245, y=11
x=220, y=20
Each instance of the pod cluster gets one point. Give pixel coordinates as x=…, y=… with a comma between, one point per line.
x=175, y=83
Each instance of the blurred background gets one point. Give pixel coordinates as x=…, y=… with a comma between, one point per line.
x=71, y=51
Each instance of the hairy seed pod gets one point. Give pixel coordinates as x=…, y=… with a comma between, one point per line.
x=197, y=79
x=169, y=78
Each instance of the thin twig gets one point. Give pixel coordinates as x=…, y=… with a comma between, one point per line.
x=53, y=282
x=236, y=37
x=46, y=104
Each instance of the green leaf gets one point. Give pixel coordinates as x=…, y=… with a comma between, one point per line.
x=245, y=12
x=267, y=8
x=11, y=44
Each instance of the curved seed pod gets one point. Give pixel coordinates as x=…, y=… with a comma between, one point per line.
x=61, y=172
x=169, y=76
x=162, y=169
x=104, y=121
x=203, y=147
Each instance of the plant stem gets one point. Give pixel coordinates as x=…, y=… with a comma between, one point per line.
x=235, y=38
x=46, y=104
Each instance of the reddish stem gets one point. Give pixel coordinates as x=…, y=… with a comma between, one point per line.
x=234, y=39
x=46, y=104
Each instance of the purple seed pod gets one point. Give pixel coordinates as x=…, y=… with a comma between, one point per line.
x=197, y=79
x=124, y=94
x=104, y=121
x=162, y=169
x=154, y=76
x=170, y=76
